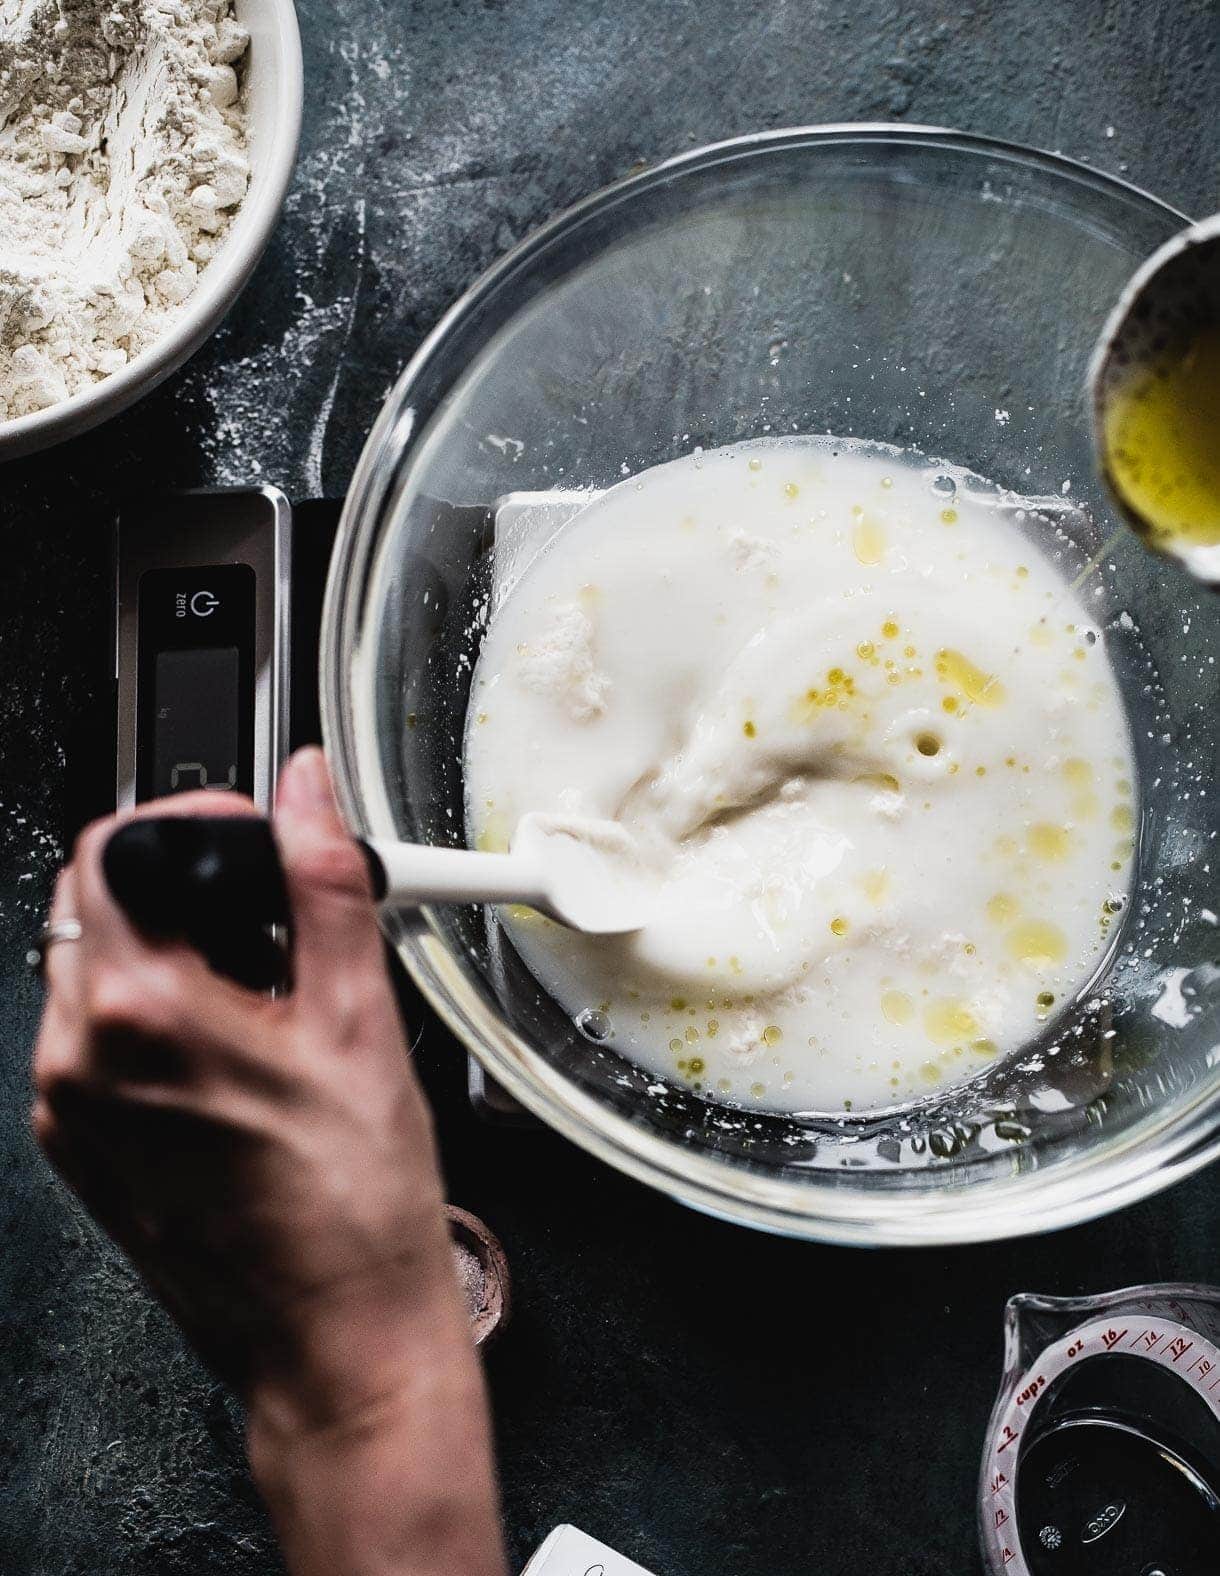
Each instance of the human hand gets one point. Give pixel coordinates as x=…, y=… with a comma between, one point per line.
x=270, y=1168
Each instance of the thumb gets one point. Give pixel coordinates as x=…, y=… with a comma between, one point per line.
x=336, y=938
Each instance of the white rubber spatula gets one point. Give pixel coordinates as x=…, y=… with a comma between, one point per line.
x=217, y=883
x=585, y=874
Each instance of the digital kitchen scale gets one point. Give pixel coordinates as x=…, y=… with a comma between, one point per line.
x=203, y=643
x=202, y=648
x=218, y=617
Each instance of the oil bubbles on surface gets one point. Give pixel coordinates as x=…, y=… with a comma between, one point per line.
x=595, y=1025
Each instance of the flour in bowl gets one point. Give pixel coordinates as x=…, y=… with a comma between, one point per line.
x=123, y=158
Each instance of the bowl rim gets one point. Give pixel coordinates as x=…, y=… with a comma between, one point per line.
x=1080, y=1188
x=220, y=283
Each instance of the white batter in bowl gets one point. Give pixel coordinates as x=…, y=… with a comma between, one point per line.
x=868, y=740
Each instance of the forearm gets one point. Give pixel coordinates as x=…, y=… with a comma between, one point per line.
x=404, y=1485
x=271, y=1168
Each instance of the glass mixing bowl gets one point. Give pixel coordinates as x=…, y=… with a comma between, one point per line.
x=921, y=287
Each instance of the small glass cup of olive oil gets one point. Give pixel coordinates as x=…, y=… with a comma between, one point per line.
x=1155, y=382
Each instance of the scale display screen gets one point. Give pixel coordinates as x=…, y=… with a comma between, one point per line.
x=194, y=745
x=196, y=681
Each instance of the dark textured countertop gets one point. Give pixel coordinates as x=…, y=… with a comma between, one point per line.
x=711, y=1402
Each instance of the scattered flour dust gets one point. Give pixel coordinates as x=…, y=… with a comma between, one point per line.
x=123, y=158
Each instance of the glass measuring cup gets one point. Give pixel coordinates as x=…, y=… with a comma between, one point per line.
x=1103, y=1449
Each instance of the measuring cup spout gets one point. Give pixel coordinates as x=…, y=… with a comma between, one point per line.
x=1031, y=1322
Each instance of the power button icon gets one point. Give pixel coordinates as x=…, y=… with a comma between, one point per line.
x=204, y=604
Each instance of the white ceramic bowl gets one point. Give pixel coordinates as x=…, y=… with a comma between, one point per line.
x=273, y=98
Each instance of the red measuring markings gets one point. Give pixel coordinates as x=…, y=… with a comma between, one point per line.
x=1168, y=1344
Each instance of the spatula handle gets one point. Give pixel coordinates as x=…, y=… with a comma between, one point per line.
x=406, y=874
x=217, y=883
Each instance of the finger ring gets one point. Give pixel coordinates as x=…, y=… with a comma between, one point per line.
x=53, y=932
